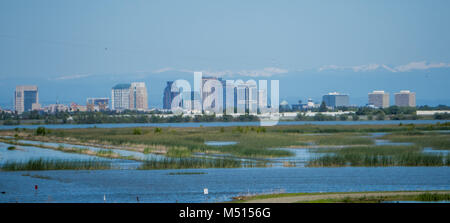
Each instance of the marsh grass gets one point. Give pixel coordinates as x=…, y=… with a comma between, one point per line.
x=47, y=164
x=104, y=152
x=11, y=148
x=435, y=140
x=193, y=163
x=178, y=152
x=433, y=197
x=337, y=139
x=378, y=156
x=254, y=143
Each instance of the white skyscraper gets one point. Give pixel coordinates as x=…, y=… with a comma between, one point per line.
x=25, y=97
x=379, y=99
x=129, y=96
x=405, y=99
x=120, y=97
x=138, y=96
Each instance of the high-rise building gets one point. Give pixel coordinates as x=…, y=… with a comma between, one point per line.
x=25, y=97
x=379, y=99
x=138, y=96
x=169, y=95
x=120, y=97
x=405, y=99
x=335, y=99
x=129, y=96
x=206, y=100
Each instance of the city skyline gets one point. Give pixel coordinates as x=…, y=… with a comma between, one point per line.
x=312, y=48
x=133, y=96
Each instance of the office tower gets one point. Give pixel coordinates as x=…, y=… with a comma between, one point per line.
x=25, y=97
x=169, y=95
x=210, y=101
x=120, y=97
x=138, y=96
x=379, y=99
x=405, y=99
x=335, y=99
x=97, y=104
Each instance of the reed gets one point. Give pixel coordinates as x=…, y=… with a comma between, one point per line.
x=338, y=139
x=433, y=197
x=378, y=156
x=11, y=148
x=432, y=139
x=193, y=163
x=178, y=152
x=47, y=164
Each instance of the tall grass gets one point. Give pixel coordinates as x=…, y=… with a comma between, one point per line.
x=178, y=152
x=379, y=156
x=433, y=139
x=193, y=163
x=433, y=197
x=46, y=164
x=253, y=143
x=11, y=148
x=337, y=139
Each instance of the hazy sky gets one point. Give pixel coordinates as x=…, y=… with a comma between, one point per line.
x=78, y=49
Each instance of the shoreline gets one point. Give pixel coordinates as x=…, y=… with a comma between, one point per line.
x=221, y=124
x=338, y=197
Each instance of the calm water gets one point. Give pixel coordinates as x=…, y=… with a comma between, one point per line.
x=220, y=124
x=95, y=149
x=220, y=143
x=223, y=184
x=125, y=184
x=25, y=153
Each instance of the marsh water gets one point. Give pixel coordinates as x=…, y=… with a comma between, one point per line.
x=223, y=184
x=126, y=184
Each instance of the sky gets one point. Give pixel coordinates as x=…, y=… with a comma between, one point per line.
x=78, y=49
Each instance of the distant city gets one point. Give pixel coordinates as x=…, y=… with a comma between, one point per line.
x=134, y=96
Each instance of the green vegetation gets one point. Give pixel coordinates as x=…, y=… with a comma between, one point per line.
x=378, y=156
x=105, y=153
x=435, y=140
x=137, y=131
x=433, y=197
x=41, y=131
x=11, y=148
x=253, y=141
x=350, y=144
x=351, y=197
x=195, y=163
x=427, y=197
x=178, y=152
x=337, y=139
x=43, y=164
x=148, y=150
